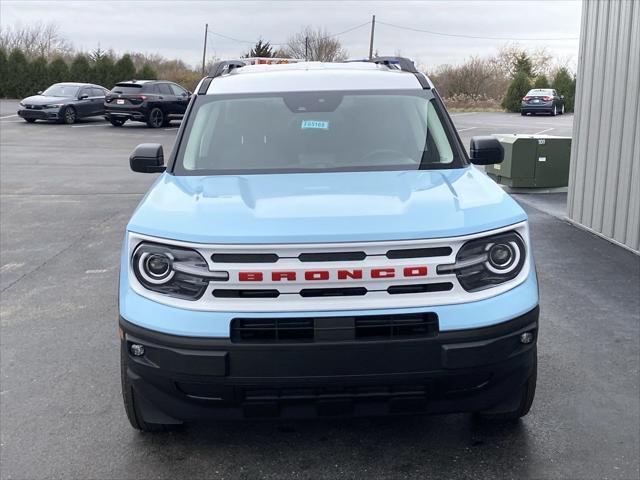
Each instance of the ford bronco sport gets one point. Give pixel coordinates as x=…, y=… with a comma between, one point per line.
x=319, y=244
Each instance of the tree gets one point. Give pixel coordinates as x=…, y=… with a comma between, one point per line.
x=3, y=73
x=565, y=85
x=522, y=64
x=541, y=81
x=80, y=70
x=147, y=73
x=58, y=71
x=517, y=89
x=102, y=71
x=260, y=49
x=18, y=74
x=124, y=68
x=315, y=45
x=38, y=39
x=38, y=75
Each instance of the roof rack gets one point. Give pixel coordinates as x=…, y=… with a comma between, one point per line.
x=399, y=63
x=218, y=69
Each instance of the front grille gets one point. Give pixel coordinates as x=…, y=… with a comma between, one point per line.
x=334, y=329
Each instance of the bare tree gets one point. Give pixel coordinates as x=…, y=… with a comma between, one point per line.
x=36, y=40
x=315, y=44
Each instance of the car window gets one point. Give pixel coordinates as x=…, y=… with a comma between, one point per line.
x=127, y=88
x=164, y=89
x=86, y=91
x=59, y=90
x=97, y=92
x=316, y=131
x=178, y=91
x=539, y=92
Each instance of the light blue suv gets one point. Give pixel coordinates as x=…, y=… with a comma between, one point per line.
x=318, y=244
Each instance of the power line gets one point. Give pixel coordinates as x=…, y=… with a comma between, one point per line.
x=477, y=37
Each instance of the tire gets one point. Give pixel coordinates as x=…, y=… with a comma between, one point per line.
x=30, y=120
x=68, y=115
x=554, y=112
x=116, y=122
x=129, y=398
x=524, y=114
x=562, y=110
x=155, y=118
x=527, y=394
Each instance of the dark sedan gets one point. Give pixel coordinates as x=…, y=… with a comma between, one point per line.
x=64, y=103
x=155, y=102
x=542, y=100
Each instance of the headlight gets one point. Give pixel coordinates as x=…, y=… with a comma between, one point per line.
x=54, y=105
x=489, y=261
x=174, y=271
x=21, y=104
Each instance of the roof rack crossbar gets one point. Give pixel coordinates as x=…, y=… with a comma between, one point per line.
x=401, y=63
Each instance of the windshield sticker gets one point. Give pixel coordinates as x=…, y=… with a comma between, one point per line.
x=314, y=124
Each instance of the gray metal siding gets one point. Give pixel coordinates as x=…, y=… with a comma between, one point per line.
x=604, y=180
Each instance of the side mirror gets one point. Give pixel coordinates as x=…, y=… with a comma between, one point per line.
x=39, y=92
x=486, y=150
x=189, y=93
x=147, y=158
x=83, y=96
x=562, y=96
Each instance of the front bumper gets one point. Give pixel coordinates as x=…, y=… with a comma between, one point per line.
x=186, y=378
x=44, y=114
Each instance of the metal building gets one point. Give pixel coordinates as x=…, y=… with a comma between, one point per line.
x=604, y=181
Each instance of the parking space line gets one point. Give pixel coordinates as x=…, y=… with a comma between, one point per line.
x=9, y=116
x=465, y=129
x=462, y=114
x=173, y=128
x=12, y=121
x=542, y=131
x=83, y=126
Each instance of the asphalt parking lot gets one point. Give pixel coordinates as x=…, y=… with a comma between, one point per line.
x=66, y=193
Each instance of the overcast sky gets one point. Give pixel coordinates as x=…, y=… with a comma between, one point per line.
x=175, y=29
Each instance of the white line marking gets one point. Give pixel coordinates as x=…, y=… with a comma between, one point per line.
x=12, y=121
x=83, y=126
x=542, y=131
x=462, y=114
x=103, y=270
x=10, y=266
x=174, y=128
x=9, y=116
x=465, y=129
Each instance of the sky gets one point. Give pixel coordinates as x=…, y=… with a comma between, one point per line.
x=175, y=29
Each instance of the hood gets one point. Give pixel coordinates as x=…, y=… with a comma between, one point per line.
x=43, y=100
x=324, y=207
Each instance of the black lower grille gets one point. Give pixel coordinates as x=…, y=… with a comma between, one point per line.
x=334, y=329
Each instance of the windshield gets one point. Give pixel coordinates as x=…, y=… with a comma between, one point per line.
x=127, y=88
x=315, y=132
x=61, y=91
x=540, y=92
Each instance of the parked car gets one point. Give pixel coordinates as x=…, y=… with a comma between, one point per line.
x=542, y=100
x=319, y=244
x=64, y=103
x=154, y=102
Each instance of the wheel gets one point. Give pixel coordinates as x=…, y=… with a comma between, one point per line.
x=524, y=400
x=524, y=114
x=155, y=118
x=129, y=397
x=117, y=122
x=68, y=115
x=562, y=110
x=30, y=120
x=554, y=112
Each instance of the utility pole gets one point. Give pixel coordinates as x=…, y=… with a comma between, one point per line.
x=373, y=28
x=204, y=49
x=306, y=49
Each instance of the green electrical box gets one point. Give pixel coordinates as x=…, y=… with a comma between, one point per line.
x=540, y=161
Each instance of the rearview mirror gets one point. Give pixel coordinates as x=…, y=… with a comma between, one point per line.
x=147, y=158
x=486, y=150
x=83, y=96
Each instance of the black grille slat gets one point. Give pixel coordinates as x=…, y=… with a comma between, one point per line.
x=333, y=292
x=245, y=257
x=419, y=252
x=370, y=327
x=420, y=288
x=249, y=293
x=332, y=256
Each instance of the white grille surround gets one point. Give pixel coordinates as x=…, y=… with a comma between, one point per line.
x=289, y=299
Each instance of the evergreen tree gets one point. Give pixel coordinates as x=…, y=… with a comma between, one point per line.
x=260, y=49
x=522, y=64
x=565, y=84
x=3, y=73
x=80, y=70
x=518, y=88
x=58, y=71
x=18, y=75
x=102, y=72
x=541, y=81
x=124, y=69
x=38, y=75
x=146, y=73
